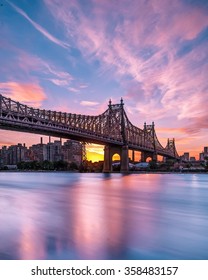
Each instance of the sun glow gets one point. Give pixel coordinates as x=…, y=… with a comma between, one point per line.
x=95, y=152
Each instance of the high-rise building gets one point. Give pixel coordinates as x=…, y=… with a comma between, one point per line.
x=17, y=153
x=72, y=151
x=186, y=156
x=38, y=152
x=205, y=152
x=54, y=151
x=201, y=156
x=3, y=156
x=14, y=154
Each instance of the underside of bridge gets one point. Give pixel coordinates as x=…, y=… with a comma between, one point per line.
x=146, y=155
x=122, y=151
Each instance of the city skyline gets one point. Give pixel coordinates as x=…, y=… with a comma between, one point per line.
x=53, y=151
x=74, y=56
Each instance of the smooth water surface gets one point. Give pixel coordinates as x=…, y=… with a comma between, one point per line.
x=99, y=216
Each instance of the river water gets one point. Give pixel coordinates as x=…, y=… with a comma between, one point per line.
x=99, y=216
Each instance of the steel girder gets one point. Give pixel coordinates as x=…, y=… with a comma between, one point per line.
x=111, y=127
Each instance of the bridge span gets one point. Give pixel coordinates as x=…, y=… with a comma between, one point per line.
x=111, y=129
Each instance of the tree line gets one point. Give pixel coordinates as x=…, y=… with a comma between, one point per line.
x=47, y=165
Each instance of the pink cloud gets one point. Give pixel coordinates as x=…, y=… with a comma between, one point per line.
x=168, y=21
x=26, y=66
x=30, y=66
x=118, y=49
x=35, y=63
x=88, y=103
x=59, y=82
x=31, y=94
x=73, y=89
x=170, y=88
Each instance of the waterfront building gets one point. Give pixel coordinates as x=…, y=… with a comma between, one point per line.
x=186, y=156
x=201, y=156
x=54, y=151
x=16, y=154
x=3, y=156
x=72, y=151
x=38, y=152
x=205, y=152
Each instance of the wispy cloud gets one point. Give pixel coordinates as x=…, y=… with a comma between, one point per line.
x=39, y=28
x=73, y=89
x=34, y=64
x=58, y=82
x=88, y=103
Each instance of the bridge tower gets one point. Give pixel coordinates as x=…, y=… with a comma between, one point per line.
x=123, y=150
x=172, y=148
x=84, y=152
x=150, y=129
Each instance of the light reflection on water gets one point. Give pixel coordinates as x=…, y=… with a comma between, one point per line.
x=99, y=216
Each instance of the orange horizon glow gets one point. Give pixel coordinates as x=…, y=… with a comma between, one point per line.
x=94, y=157
x=94, y=152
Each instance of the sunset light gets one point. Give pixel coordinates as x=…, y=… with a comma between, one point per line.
x=103, y=139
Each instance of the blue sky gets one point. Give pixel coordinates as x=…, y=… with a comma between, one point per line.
x=75, y=55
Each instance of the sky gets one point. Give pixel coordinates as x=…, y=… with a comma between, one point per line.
x=73, y=56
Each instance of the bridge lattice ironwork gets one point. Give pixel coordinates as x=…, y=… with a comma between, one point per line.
x=111, y=127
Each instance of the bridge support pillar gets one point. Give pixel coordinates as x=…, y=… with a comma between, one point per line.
x=154, y=157
x=109, y=151
x=143, y=157
x=107, y=166
x=125, y=159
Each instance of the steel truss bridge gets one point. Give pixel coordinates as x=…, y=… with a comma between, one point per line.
x=111, y=129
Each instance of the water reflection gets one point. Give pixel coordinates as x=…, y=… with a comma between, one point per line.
x=94, y=216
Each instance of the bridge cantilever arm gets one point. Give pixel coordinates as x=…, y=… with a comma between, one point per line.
x=121, y=131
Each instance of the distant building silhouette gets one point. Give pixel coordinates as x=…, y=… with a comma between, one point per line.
x=201, y=156
x=185, y=157
x=204, y=154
